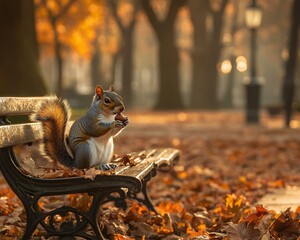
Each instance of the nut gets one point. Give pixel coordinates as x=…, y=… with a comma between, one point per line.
x=120, y=117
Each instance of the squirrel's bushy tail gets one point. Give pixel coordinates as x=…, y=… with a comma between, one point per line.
x=54, y=115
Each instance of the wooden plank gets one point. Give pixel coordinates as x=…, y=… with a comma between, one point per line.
x=20, y=105
x=166, y=156
x=139, y=171
x=137, y=159
x=14, y=134
x=155, y=158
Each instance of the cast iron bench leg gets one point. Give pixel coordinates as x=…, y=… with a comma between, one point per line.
x=120, y=200
x=35, y=217
x=98, y=199
x=31, y=215
x=146, y=199
x=31, y=224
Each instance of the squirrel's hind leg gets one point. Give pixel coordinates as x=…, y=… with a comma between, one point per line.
x=82, y=156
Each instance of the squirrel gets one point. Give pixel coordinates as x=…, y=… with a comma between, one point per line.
x=90, y=140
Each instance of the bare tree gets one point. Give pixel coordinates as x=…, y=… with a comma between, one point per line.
x=169, y=96
x=19, y=68
x=126, y=51
x=227, y=101
x=288, y=90
x=206, y=52
x=96, y=72
x=53, y=19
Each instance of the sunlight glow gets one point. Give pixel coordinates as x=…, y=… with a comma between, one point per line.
x=241, y=64
x=227, y=38
x=182, y=117
x=61, y=28
x=176, y=142
x=295, y=124
x=226, y=67
x=285, y=54
x=83, y=89
x=57, y=218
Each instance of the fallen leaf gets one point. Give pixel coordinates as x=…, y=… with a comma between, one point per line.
x=242, y=231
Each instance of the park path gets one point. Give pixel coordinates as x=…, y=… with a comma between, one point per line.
x=281, y=199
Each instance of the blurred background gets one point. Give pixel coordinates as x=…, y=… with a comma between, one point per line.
x=217, y=79
x=159, y=54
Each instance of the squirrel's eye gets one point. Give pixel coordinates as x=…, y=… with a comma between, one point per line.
x=107, y=100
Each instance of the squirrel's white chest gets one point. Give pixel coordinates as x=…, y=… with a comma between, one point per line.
x=101, y=150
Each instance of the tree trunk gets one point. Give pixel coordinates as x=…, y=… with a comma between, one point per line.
x=204, y=83
x=127, y=64
x=288, y=90
x=19, y=72
x=126, y=52
x=58, y=57
x=169, y=96
x=207, y=50
x=53, y=19
x=114, y=64
x=227, y=101
x=199, y=98
x=96, y=73
x=59, y=62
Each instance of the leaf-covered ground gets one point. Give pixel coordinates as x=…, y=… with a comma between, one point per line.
x=212, y=193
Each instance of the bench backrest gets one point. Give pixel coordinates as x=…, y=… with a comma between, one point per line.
x=14, y=134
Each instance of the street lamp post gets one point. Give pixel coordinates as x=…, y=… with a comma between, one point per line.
x=253, y=19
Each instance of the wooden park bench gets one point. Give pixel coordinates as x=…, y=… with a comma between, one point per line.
x=126, y=182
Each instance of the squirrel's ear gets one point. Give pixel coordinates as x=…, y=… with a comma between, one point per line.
x=99, y=91
x=111, y=88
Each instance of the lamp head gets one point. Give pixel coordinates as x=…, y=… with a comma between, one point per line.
x=253, y=16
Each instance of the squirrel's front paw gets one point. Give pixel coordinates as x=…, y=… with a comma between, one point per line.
x=122, y=118
x=118, y=123
x=125, y=123
x=107, y=166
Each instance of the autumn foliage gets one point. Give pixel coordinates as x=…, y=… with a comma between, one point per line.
x=212, y=193
x=83, y=23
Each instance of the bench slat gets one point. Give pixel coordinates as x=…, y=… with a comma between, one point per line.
x=20, y=105
x=157, y=158
x=139, y=171
x=165, y=156
x=146, y=153
x=14, y=134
